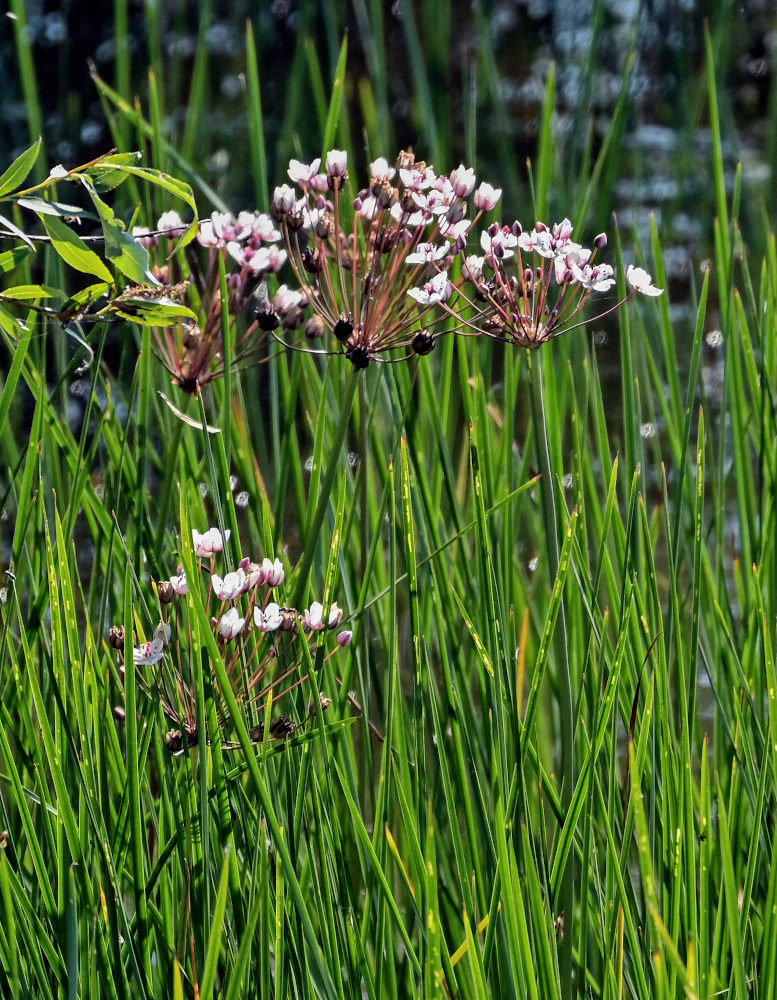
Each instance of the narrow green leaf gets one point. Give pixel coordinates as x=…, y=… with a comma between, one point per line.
x=215, y=940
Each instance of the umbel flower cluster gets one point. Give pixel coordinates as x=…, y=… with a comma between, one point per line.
x=246, y=248
x=393, y=268
x=384, y=270
x=261, y=642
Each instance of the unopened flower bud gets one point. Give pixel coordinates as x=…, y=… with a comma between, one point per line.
x=116, y=636
x=314, y=328
x=516, y=229
x=344, y=637
x=288, y=619
x=313, y=260
x=282, y=728
x=359, y=357
x=456, y=212
x=323, y=704
x=600, y=241
x=192, y=335
x=324, y=226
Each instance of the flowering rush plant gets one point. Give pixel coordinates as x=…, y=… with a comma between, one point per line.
x=379, y=271
x=246, y=247
x=373, y=268
x=260, y=639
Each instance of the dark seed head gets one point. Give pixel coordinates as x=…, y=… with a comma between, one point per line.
x=282, y=728
x=343, y=329
x=423, y=342
x=359, y=357
x=267, y=319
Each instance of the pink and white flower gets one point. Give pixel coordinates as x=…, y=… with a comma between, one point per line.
x=303, y=173
x=209, y=542
x=231, y=624
x=274, y=573
x=487, y=196
x=149, y=653
x=269, y=620
x=171, y=224
x=437, y=289
x=179, y=584
x=499, y=243
x=427, y=253
x=229, y=587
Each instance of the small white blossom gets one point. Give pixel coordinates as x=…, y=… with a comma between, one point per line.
x=437, y=289
x=209, y=542
x=149, y=653
x=335, y=616
x=499, y=245
x=456, y=230
x=473, y=268
x=284, y=200
x=303, y=173
x=171, y=224
x=641, y=281
x=314, y=616
x=230, y=586
x=382, y=168
x=231, y=624
x=263, y=228
x=487, y=196
x=426, y=253
x=596, y=277
x=336, y=162
x=179, y=584
x=462, y=180
x=274, y=573
x=269, y=620
x=163, y=631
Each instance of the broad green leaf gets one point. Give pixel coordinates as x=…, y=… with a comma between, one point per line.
x=59, y=208
x=32, y=292
x=73, y=250
x=121, y=247
x=110, y=172
x=11, y=259
x=151, y=312
x=21, y=166
x=86, y=296
x=175, y=187
x=11, y=227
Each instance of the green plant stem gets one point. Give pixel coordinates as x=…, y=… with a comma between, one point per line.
x=566, y=901
x=326, y=488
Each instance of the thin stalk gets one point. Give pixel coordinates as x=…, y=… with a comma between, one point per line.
x=326, y=488
x=567, y=766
